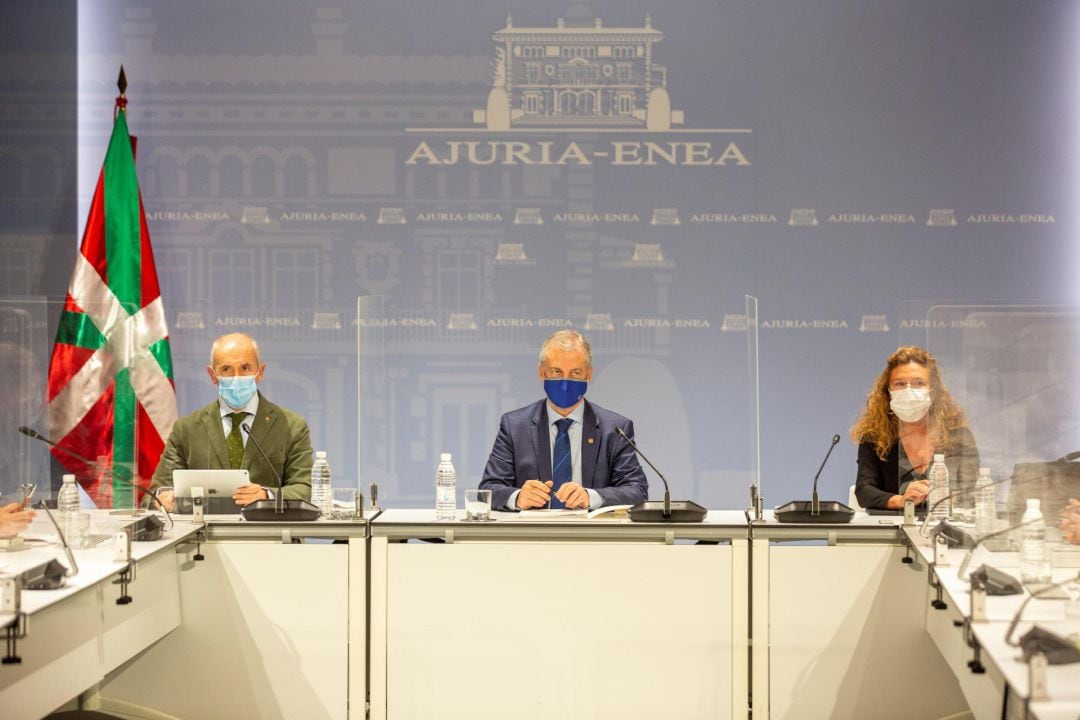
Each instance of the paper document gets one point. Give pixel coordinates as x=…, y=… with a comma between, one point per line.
x=559, y=514
x=607, y=512
x=610, y=512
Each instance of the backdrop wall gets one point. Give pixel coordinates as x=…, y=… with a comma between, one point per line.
x=495, y=171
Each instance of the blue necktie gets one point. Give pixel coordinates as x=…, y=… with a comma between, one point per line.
x=562, y=468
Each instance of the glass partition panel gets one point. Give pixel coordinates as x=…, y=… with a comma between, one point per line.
x=24, y=370
x=704, y=437
x=309, y=353
x=91, y=378
x=108, y=355
x=372, y=426
x=753, y=418
x=1013, y=370
x=438, y=381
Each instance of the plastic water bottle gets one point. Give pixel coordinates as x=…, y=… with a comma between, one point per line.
x=939, y=488
x=67, y=508
x=445, y=489
x=985, y=503
x=1034, y=559
x=67, y=500
x=322, y=496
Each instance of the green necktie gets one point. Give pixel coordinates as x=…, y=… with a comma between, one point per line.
x=235, y=441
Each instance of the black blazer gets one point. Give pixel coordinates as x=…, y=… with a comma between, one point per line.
x=878, y=480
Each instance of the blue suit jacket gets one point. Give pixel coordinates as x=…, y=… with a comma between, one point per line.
x=522, y=452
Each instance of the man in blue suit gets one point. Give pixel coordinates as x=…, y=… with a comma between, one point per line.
x=564, y=451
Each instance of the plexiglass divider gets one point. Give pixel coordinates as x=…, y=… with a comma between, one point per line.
x=101, y=362
x=682, y=382
x=1014, y=371
x=372, y=426
x=754, y=406
x=24, y=371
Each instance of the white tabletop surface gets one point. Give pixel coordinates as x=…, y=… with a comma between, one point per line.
x=95, y=563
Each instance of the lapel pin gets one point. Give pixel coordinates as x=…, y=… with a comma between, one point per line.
x=590, y=441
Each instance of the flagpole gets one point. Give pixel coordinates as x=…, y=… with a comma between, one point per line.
x=130, y=479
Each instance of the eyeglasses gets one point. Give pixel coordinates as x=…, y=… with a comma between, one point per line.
x=558, y=374
x=917, y=384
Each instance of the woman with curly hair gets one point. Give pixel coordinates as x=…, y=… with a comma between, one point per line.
x=909, y=417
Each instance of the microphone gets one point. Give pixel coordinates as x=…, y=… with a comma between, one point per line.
x=994, y=581
x=984, y=538
x=665, y=511
x=279, y=509
x=950, y=496
x=30, y=432
x=148, y=528
x=814, y=511
x=51, y=574
x=1058, y=650
x=816, y=508
x=92, y=464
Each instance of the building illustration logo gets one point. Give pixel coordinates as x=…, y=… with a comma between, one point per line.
x=577, y=76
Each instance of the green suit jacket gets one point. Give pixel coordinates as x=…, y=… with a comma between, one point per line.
x=198, y=441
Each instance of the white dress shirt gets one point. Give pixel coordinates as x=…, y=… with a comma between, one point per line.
x=574, y=433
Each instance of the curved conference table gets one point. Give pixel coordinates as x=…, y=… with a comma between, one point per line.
x=397, y=615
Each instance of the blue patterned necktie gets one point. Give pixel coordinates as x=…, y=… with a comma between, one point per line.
x=562, y=467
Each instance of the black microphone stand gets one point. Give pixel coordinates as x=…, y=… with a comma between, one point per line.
x=801, y=511
x=51, y=574
x=279, y=509
x=147, y=528
x=989, y=536
x=664, y=511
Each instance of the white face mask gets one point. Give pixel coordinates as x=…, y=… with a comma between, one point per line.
x=910, y=404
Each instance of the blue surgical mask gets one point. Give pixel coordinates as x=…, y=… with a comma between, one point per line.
x=565, y=393
x=237, y=391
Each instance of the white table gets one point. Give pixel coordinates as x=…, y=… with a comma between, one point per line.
x=1005, y=674
x=838, y=625
x=572, y=619
x=273, y=626
x=77, y=634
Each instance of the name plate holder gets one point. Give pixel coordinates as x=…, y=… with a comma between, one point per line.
x=909, y=512
x=1037, y=685
x=941, y=551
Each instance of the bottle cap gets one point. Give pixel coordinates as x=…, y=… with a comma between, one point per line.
x=444, y=457
x=939, y=457
x=1033, y=503
x=320, y=454
x=69, y=478
x=984, y=471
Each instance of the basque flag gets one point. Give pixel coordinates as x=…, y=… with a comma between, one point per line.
x=112, y=399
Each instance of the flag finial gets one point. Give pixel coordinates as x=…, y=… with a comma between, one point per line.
x=121, y=99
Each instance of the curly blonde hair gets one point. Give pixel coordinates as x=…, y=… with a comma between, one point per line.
x=878, y=425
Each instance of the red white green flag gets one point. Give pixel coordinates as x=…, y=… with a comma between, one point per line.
x=112, y=399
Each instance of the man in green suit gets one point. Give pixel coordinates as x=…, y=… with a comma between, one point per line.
x=214, y=438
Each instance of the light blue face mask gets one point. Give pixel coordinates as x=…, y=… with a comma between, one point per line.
x=236, y=391
x=564, y=392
